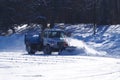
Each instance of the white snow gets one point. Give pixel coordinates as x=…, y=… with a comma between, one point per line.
x=95, y=58
x=18, y=66
x=88, y=50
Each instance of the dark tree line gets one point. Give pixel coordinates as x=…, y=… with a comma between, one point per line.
x=55, y=11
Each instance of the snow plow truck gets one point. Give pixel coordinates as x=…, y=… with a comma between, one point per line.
x=48, y=41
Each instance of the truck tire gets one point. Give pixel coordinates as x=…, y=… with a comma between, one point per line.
x=47, y=50
x=30, y=50
x=60, y=51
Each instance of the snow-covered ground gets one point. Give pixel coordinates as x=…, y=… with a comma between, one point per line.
x=97, y=57
x=19, y=66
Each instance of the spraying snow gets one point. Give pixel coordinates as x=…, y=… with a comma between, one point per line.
x=104, y=43
x=84, y=48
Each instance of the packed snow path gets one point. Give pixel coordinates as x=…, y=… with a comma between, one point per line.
x=20, y=66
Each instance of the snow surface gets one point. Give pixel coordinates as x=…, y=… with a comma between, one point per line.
x=97, y=57
x=19, y=66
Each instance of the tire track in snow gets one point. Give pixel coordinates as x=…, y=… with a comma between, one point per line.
x=35, y=59
x=55, y=67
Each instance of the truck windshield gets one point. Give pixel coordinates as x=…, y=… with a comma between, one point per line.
x=56, y=34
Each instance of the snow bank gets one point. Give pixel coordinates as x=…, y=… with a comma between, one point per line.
x=105, y=42
x=15, y=42
x=12, y=43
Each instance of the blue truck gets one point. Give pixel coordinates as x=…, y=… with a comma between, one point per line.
x=48, y=41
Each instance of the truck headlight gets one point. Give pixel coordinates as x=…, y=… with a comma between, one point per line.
x=65, y=44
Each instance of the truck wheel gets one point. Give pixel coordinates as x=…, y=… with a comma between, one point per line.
x=29, y=50
x=60, y=51
x=47, y=50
